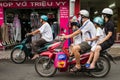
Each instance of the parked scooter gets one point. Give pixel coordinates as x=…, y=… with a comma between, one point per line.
x=23, y=51
x=57, y=58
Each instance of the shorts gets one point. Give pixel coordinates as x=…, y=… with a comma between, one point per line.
x=105, y=45
x=84, y=47
x=38, y=44
x=93, y=47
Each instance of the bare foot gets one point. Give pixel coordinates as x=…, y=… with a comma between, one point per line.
x=35, y=56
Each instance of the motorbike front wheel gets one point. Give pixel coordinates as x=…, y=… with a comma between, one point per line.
x=44, y=66
x=18, y=56
x=103, y=67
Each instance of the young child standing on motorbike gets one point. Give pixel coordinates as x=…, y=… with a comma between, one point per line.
x=98, y=22
x=108, y=40
x=46, y=32
x=76, y=39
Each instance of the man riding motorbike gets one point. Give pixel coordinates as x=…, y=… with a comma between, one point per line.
x=46, y=32
x=88, y=30
x=108, y=41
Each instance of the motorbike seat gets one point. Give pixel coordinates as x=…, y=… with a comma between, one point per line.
x=44, y=47
x=83, y=52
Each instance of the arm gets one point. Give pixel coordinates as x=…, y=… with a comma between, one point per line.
x=73, y=34
x=34, y=32
x=106, y=38
x=99, y=33
x=92, y=39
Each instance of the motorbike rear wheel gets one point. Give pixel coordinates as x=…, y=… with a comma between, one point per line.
x=18, y=56
x=44, y=66
x=104, y=64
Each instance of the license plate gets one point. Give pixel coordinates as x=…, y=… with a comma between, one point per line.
x=61, y=64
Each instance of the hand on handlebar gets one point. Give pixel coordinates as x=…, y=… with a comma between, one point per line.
x=28, y=34
x=64, y=37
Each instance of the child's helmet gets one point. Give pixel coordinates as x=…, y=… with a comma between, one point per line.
x=98, y=20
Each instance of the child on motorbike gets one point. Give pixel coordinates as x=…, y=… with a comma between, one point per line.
x=76, y=39
x=98, y=22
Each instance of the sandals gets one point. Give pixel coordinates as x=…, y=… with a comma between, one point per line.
x=88, y=66
x=74, y=69
x=91, y=67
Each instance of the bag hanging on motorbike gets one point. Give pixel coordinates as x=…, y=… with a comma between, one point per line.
x=60, y=60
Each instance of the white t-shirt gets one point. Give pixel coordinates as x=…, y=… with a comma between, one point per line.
x=77, y=39
x=46, y=32
x=101, y=35
x=88, y=31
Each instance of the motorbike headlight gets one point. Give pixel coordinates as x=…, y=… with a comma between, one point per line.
x=62, y=57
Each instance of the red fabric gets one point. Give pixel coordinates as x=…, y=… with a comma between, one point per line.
x=77, y=7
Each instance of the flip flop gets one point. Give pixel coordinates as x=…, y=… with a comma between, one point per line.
x=87, y=65
x=91, y=67
x=74, y=69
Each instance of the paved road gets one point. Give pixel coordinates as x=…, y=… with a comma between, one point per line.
x=26, y=71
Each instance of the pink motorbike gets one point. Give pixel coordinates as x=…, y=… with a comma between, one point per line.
x=57, y=58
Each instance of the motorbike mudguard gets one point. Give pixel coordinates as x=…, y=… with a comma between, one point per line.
x=47, y=53
x=106, y=54
x=19, y=46
x=25, y=49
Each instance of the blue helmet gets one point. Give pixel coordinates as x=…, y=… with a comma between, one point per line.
x=98, y=20
x=44, y=17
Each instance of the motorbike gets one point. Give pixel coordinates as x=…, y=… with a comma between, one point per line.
x=23, y=51
x=57, y=58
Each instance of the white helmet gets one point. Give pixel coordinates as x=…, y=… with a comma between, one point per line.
x=107, y=11
x=84, y=13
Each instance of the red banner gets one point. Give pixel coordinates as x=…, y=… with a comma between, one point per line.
x=63, y=6
x=34, y=4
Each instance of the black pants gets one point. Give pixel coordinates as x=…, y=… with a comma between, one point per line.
x=37, y=44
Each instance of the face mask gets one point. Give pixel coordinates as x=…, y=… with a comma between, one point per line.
x=102, y=17
x=79, y=18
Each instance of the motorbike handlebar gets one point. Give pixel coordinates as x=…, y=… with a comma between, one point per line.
x=60, y=38
x=28, y=35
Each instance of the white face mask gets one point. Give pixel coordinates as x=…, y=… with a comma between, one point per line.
x=79, y=18
x=102, y=16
